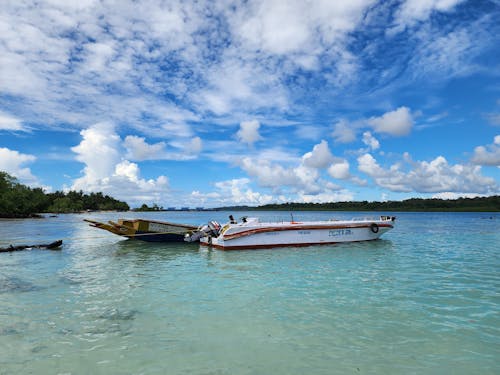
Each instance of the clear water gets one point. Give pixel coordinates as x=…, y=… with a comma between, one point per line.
x=422, y=300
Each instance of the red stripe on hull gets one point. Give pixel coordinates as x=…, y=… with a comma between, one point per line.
x=257, y=247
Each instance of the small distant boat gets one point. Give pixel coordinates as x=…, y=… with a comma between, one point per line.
x=250, y=233
x=145, y=230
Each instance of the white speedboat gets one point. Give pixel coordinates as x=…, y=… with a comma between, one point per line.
x=250, y=233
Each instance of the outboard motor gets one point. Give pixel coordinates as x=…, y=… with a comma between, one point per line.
x=214, y=227
x=211, y=229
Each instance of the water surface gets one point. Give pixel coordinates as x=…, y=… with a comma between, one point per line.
x=422, y=300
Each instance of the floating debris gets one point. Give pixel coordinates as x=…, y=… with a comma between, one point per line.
x=56, y=245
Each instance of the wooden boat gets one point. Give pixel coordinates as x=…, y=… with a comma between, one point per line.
x=145, y=230
x=253, y=234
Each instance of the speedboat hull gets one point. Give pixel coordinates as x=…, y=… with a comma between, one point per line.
x=255, y=235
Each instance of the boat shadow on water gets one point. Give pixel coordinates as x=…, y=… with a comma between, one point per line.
x=370, y=246
x=154, y=249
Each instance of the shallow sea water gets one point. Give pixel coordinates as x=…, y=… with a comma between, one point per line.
x=424, y=299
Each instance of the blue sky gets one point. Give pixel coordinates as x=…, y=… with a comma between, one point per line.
x=203, y=103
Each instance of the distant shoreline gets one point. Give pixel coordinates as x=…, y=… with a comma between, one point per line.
x=479, y=204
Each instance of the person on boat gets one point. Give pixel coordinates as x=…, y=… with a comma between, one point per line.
x=231, y=219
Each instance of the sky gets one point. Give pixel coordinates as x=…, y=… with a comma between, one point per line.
x=218, y=103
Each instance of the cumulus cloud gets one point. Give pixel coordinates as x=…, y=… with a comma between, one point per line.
x=13, y=162
x=106, y=171
x=488, y=155
x=436, y=176
x=299, y=183
x=370, y=141
x=99, y=151
x=138, y=149
x=397, y=123
x=237, y=191
x=249, y=132
x=339, y=170
x=228, y=192
x=269, y=174
x=302, y=178
x=319, y=157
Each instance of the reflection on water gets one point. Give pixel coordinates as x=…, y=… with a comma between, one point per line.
x=424, y=299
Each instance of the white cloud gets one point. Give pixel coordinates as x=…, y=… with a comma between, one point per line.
x=319, y=157
x=446, y=55
x=249, y=132
x=277, y=27
x=488, y=155
x=78, y=65
x=195, y=146
x=138, y=149
x=8, y=122
x=397, y=123
x=428, y=177
x=297, y=27
x=12, y=162
x=99, y=151
x=237, y=191
x=106, y=171
x=98, y=56
x=339, y=170
x=344, y=132
x=268, y=174
x=130, y=61
x=370, y=141
x=303, y=177
x=230, y=192
x=413, y=11
x=240, y=83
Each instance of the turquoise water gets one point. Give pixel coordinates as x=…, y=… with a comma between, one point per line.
x=422, y=300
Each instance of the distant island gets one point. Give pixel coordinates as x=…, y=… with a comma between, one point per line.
x=20, y=201
x=146, y=208
x=478, y=204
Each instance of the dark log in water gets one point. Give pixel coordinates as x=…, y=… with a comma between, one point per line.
x=51, y=246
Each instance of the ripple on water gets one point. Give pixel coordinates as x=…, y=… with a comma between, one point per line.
x=14, y=284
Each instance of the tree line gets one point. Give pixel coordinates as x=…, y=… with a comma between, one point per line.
x=478, y=204
x=18, y=200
